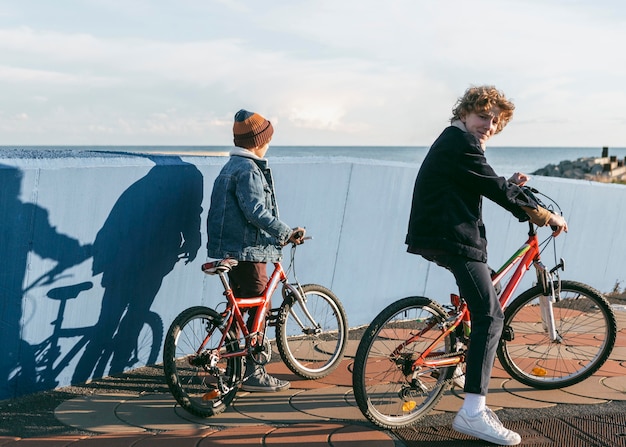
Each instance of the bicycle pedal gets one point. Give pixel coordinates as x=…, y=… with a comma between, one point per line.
x=508, y=334
x=272, y=318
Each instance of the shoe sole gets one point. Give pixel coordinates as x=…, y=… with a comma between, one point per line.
x=254, y=389
x=481, y=435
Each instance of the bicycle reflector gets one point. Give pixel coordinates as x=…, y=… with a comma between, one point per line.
x=408, y=406
x=539, y=371
x=213, y=394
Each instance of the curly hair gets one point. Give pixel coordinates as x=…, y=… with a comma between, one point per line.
x=482, y=98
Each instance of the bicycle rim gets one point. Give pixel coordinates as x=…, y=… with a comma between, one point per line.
x=312, y=348
x=586, y=329
x=388, y=393
x=199, y=387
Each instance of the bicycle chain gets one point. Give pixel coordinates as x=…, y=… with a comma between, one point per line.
x=449, y=355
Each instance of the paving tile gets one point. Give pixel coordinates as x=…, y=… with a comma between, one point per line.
x=340, y=376
x=612, y=368
x=322, y=434
x=450, y=402
x=619, y=353
x=161, y=412
x=499, y=397
x=601, y=388
x=178, y=438
x=43, y=441
x=498, y=371
x=351, y=348
x=550, y=396
x=272, y=408
x=618, y=384
x=115, y=440
x=281, y=371
x=244, y=436
x=95, y=413
x=359, y=436
x=327, y=403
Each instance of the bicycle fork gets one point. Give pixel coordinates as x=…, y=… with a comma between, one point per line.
x=298, y=296
x=550, y=282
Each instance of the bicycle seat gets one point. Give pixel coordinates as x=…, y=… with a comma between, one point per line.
x=69, y=292
x=223, y=265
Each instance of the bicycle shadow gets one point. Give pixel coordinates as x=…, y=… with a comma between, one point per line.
x=26, y=228
x=153, y=224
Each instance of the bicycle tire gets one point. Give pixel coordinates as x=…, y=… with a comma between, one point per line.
x=387, y=392
x=587, y=328
x=312, y=352
x=189, y=376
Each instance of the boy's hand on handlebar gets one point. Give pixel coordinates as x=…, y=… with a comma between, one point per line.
x=519, y=179
x=558, y=224
x=297, y=236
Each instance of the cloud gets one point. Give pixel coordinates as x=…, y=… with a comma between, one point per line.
x=327, y=72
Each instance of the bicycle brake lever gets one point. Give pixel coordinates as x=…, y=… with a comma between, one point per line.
x=560, y=265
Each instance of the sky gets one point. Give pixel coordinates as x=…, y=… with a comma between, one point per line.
x=324, y=72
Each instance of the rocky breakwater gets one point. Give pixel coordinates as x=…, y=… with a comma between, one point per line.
x=606, y=169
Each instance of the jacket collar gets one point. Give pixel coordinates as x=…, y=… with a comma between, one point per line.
x=459, y=124
x=244, y=153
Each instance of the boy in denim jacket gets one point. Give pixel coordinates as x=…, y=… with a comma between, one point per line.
x=243, y=224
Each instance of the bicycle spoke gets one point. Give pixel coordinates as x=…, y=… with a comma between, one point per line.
x=389, y=392
x=585, y=328
x=312, y=335
x=200, y=379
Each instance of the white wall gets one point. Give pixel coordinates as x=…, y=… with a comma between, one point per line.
x=356, y=211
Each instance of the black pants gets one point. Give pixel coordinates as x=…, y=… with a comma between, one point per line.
x=474, y=281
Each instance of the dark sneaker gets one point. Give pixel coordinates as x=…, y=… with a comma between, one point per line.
x=261, y=381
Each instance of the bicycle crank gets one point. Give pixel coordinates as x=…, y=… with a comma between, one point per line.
x=261, y=353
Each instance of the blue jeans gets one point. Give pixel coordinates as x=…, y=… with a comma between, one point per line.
x=474, y=281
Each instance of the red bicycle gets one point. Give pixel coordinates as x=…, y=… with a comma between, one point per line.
x=205, y=348
x=556, y=334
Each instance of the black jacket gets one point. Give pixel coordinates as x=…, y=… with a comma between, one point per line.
x=446, y=212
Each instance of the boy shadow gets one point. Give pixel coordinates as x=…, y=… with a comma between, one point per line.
x=154, y=224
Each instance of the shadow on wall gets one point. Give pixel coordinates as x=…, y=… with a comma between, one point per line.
x=25, y=228
x=154, y=224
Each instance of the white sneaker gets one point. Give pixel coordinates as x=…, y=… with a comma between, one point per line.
x=486, y=426
x=458, y=378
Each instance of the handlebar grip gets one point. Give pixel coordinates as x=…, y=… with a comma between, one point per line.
x=298, y=234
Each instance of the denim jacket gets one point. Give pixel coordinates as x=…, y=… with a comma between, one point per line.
x=243, y=218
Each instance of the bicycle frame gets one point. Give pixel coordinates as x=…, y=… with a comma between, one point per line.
x=235, y=308
x=527, y=255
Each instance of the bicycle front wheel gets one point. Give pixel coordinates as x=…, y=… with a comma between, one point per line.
x=585, y=335
x=199, y=378
x=387, y=389
x=311, y=334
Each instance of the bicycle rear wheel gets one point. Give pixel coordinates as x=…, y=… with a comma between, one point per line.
x=387, y=391
x=312, y=336
x=585, y=327
x=201, y=381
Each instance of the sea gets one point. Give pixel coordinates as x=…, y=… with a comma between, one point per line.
x=504, y=160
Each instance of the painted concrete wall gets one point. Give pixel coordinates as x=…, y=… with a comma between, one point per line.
x=112, y=225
